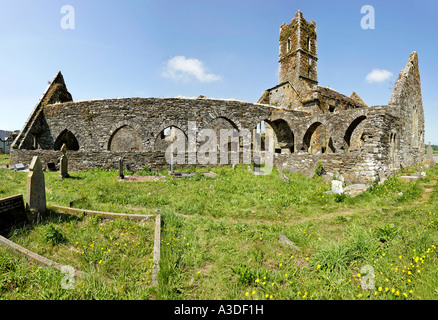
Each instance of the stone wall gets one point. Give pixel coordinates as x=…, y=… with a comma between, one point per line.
x=97, y=125
x=358, y=143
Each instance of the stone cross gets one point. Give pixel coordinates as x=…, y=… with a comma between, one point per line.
x=36, y=188
x=63, y=163
x=121, y=176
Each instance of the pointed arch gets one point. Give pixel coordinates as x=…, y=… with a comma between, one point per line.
x=225, y=129
x=353, y=134
x=163, y=139
x=125, y=139
x=284, y=135
x=317, y=139
x=69, y=139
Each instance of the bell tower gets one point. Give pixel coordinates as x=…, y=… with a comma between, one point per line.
x=298, y=56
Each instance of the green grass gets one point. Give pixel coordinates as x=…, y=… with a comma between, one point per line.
x=4, y=159
x=220, y=238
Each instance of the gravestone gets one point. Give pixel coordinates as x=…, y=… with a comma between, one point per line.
x=36, y=188
x=63, y=163
x=257, y=161
x=429, y=157
x=121, y=176
x=337, y=187
x=20, y=167
x=12, y=212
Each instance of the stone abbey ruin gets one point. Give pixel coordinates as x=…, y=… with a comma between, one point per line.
x=312, y=125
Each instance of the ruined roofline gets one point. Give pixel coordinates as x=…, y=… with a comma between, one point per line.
x=57, y=79
x=155, y=99
x=152, y=99
x=401, y=83
x=332, y=94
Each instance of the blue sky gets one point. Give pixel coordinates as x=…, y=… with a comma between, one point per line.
x=220, y=49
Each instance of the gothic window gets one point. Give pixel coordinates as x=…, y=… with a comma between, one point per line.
x=308, y=43
x=67, y=138
x=288, y=44
x=125, y=139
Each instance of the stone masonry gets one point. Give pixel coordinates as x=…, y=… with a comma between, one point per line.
x=311, y=124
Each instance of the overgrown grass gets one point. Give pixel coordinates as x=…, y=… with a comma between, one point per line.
x=4, y=159
x=220, y=238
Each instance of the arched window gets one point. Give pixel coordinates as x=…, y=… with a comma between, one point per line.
x=353, y=134
x=288, y=44
x=318, y=140
x=281, y=133
x=69, y=139
x=125, y=139
x=168, y=136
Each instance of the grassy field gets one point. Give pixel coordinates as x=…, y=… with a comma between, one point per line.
x=220, y=239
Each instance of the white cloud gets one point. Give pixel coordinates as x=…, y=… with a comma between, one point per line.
x=378, y=75
x=182, y=68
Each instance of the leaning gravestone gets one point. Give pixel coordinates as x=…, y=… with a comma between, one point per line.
x=36, y=187
x=63, y=163
x=12, y=212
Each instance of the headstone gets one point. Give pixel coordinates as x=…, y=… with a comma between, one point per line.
x=63, y=163
x=121, y=176
x=257, y=164
x=337, y=187
x=12, y=212
x=36, y=188
x=20, y=167
x=429, y=156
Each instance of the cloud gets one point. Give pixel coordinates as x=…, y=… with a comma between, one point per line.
x=378, y=75
x=182, y=68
